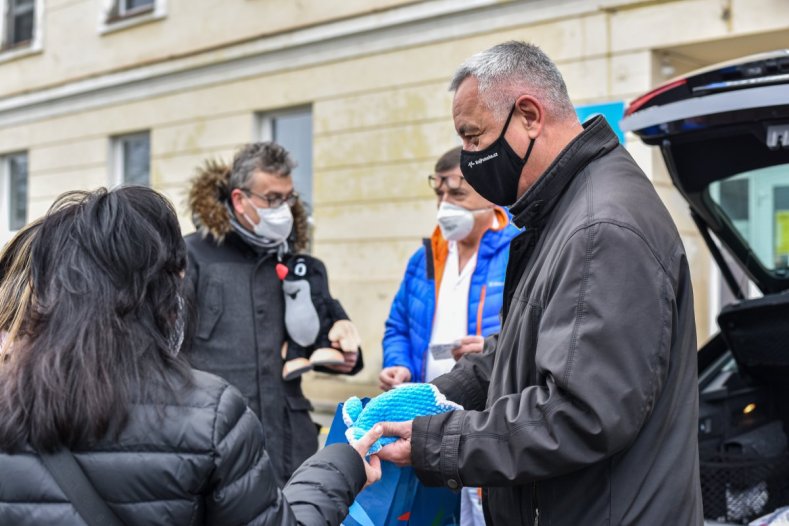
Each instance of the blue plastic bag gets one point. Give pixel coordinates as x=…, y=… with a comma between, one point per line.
x=398, y=499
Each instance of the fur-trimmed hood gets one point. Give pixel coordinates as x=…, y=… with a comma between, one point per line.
x=208, y=198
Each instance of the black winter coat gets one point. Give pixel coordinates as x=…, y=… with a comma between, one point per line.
x=585, y=408
x=238, y=335
x=196, y=458
x=239, y=325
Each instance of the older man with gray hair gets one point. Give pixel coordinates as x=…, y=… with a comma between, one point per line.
x=584, y=409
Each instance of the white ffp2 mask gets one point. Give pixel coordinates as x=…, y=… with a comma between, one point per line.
x=274, y=224
x=455, y=221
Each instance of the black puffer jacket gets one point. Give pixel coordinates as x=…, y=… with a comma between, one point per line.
x=194, y=458
x=240, y=321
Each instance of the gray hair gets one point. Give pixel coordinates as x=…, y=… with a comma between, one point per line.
x=266, y=156
x=507, y=71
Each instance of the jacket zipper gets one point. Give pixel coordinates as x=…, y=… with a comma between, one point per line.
x=481, y=308
x=535, y=504
x=533, y=360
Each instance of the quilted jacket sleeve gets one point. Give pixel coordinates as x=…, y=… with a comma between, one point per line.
x=243, y=488
x=397, y=343
x=323, y=488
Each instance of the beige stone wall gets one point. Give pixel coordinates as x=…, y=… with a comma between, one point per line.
x=76, y=47
x=380, y=118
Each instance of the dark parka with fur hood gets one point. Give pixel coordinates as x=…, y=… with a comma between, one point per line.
x=239, y=328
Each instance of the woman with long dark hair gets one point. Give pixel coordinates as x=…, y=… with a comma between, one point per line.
x=15, y=284
x=97, y=373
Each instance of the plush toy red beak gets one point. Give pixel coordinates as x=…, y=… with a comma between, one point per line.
x=282, y=271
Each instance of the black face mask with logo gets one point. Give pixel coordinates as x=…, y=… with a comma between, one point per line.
x=495, y=171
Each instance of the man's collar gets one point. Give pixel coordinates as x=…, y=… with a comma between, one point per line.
x=595, y=140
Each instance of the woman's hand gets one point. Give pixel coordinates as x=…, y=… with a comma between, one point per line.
x=372, y=468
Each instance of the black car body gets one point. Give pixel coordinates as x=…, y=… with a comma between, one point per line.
x=724, y=135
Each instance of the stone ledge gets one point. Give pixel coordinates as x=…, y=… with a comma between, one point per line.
x=325, y=391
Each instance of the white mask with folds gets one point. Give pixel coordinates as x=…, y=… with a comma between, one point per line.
x=455, y=221
x=274, y=224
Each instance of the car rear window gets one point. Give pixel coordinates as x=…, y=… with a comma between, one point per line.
x=756, y=204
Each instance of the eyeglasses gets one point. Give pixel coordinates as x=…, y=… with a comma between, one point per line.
x=274, y=200
x=453, y=182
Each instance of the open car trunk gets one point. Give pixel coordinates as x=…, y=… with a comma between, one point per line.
x=724, y=135
x=743, y=420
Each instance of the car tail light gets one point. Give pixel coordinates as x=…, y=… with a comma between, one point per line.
x=643, y=99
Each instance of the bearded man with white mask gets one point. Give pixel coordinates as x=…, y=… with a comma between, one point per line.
x=249, y=223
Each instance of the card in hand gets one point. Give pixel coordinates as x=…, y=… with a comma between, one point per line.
x=443, y=351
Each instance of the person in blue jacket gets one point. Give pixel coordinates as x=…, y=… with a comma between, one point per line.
x=451, y=295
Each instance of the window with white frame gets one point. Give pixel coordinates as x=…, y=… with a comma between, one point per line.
x=19, y=23
x=131, y=159
x=13, y=190
x=123, y=9
x=292, y=129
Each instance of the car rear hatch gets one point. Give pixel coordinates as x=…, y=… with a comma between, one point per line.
x=724, y=135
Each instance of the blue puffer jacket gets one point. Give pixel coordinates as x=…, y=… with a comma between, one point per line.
x=410, y=322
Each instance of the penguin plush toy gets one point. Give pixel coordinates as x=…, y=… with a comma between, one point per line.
x=313, y=319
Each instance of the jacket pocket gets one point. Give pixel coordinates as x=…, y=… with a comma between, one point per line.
x=298, y=403
x=211, y=307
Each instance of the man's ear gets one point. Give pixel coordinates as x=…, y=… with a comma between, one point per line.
x=237, y=200
x=531, y=113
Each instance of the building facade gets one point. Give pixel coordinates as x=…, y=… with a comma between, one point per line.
x=104, y=92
